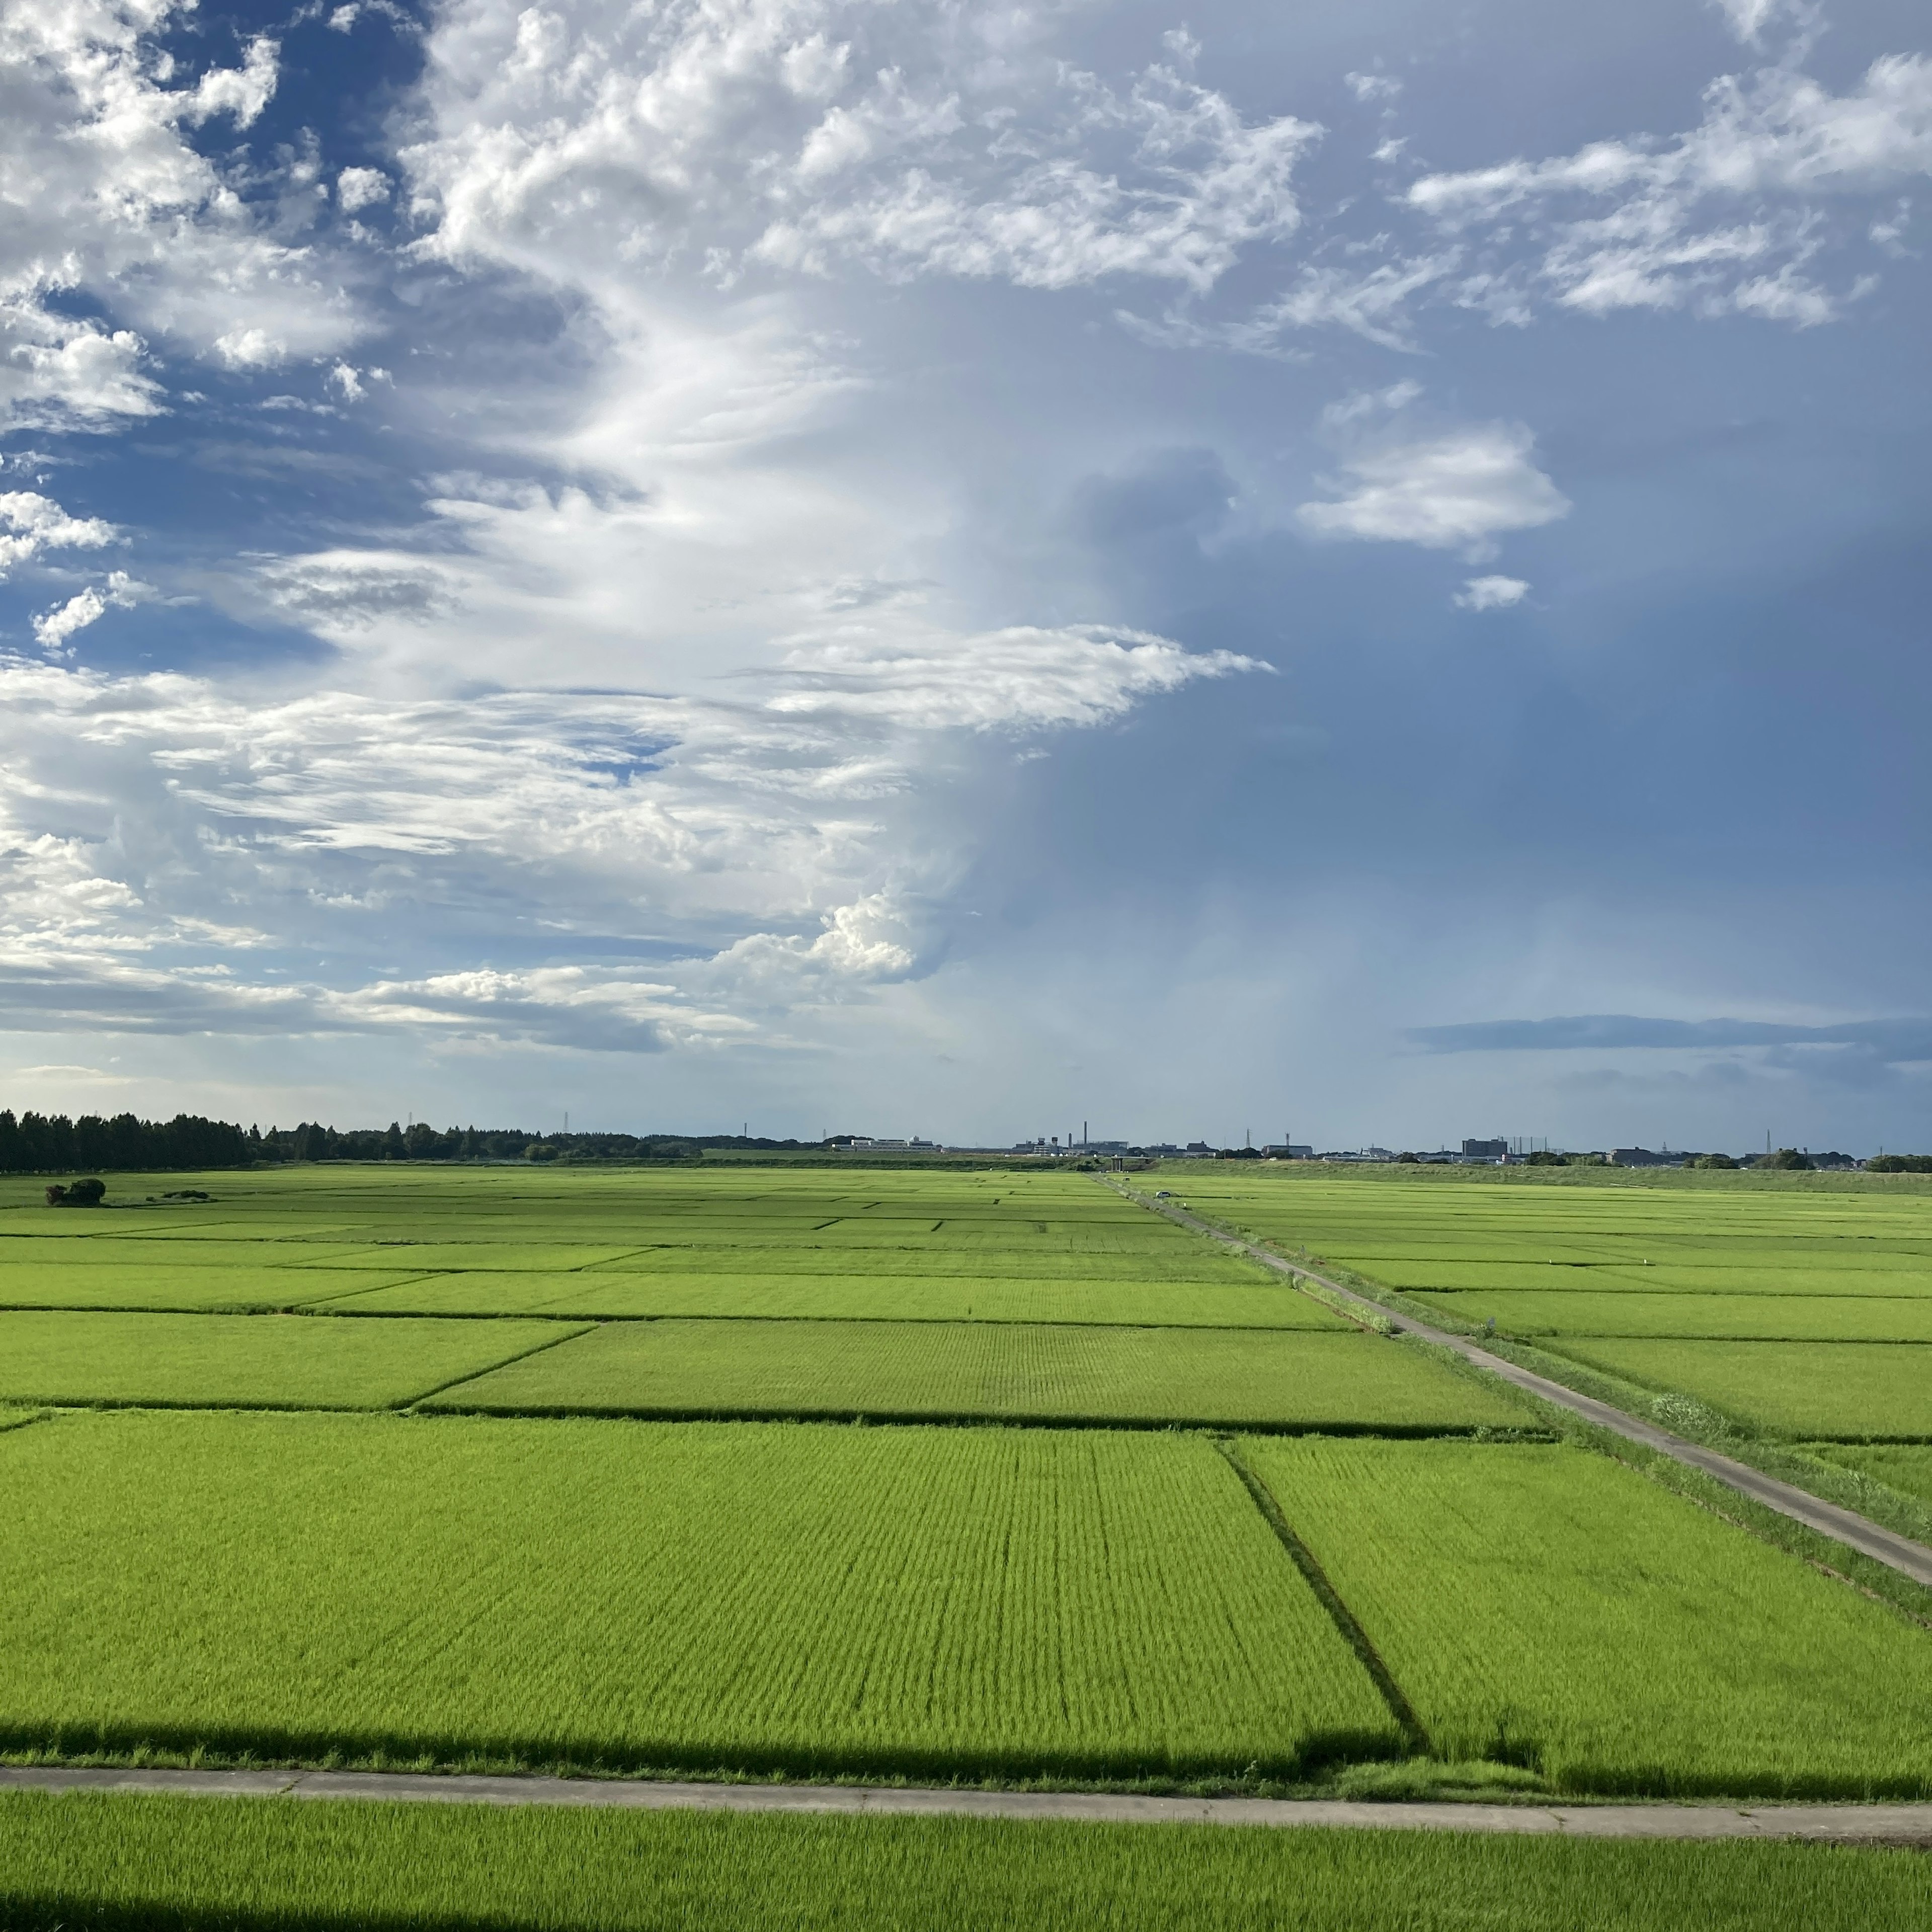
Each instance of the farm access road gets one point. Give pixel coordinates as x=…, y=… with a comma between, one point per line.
x=1843, y=1525
x=1830, y=1824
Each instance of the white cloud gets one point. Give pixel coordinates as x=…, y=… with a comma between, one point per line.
x=749, y=131
x=1373, y=86
x=120, y=593
x=1748, y=19
x=1721, y=219
x=1491, y=593
x=106, y=195
x=1456, y=490
x=60, y=372
x=765, y=839
x=30, y=523
x=358, y=188
x=1026, y=678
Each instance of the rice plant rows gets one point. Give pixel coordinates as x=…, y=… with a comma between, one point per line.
x=220, y=1361
x=178, y=1863
x=921, y=1602
x=1541, y=1605
x=1346, y=1380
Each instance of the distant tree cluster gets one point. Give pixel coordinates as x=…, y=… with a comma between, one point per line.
x=33, y=1143
x=311, y=1141
x=52, y=1144
x=1900, y=1163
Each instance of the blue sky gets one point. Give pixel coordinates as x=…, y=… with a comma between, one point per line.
x=967, y=569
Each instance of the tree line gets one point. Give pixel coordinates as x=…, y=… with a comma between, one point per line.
x=33, y=1143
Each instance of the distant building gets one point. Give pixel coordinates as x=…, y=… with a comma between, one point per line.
x=1643, y=1157
x=1288, y=1151
x=1486, y=1150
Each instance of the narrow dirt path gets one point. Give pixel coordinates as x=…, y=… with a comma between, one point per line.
x=1843, y=1525
x=1834, y=1824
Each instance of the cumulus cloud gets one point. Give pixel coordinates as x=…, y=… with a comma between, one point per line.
x=358, y=188
x=1491, y=593
x=61, y=372
x=108, y=196
x=120, y=593
x=1456, y=490
x=30, y=523
x=801, y=135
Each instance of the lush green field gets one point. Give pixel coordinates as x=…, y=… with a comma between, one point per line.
x=239, y=1283
x=1542, y=1604
x=1795, y=1305
x=749, y=1242
x=1857, y=1389
x=907, y=1370
x=250, y=1361
x=1846, y=1275
x=182, y=1864
x=845, y=1296
x=1408, y=1228
x=521, y=1587
x=929, y=1601
x=1789, y=1318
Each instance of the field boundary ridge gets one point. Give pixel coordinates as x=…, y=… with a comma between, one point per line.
x=1894, y=1824
x=1829, y=1519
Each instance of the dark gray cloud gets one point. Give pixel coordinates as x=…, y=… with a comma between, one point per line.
x=1896, y=1041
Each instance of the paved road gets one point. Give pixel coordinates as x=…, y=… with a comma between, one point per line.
x=1843, y=1525
x=1839, y=1824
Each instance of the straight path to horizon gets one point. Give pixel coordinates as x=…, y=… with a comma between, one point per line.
x=1843, y=1525
x=1909, y=1825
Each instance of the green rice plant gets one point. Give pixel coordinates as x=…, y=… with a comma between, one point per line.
x=929, y=1602
x=391, y=1257
x=182, y=1864
x=1547, y=1607
x=1793, y=1318
x=233, y=1287
x=1189, y=1262
x=987, y=1371
x=1259, y=1303
x=1852, y=1390
x=249, y=1361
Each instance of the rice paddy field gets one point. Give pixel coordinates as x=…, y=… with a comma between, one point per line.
x=1795, y=1307
x=176, y=1863
x=940, y=1475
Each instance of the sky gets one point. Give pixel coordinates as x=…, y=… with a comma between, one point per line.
x=1355, y=574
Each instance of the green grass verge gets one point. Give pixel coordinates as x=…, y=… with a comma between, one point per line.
x=924, y=1603
x=1902, y=1467
x=1539, y=1604
x=249, y=1361
x=175, y=1865
x=1344, y=1381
